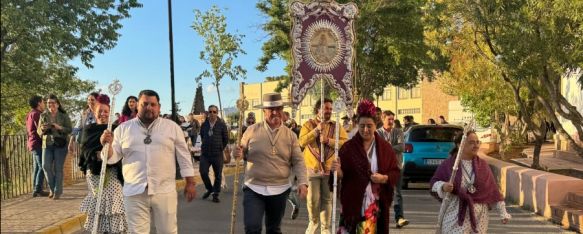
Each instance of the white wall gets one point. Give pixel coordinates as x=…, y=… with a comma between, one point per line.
x=571, y=89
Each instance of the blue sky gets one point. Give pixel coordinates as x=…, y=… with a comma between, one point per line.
x=141, y=58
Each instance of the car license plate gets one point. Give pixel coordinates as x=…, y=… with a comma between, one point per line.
x=433, y=162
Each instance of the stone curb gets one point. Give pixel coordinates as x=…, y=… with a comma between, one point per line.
x=75, y=223
x=69, y=225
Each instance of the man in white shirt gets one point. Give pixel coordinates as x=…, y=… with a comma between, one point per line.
x=148, y=146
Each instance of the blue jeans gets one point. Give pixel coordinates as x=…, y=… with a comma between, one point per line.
x=398, y=206
x=37, y=172
x=53, y=163
x=256, y=205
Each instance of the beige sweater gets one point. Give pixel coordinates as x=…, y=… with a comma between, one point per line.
x=266, y=169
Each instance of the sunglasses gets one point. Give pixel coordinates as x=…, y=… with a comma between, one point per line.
x=212, y=112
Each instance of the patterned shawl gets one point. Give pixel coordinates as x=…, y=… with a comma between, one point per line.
x=487, y=191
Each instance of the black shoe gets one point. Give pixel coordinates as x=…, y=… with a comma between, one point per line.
x=206, y=195
x=216, y=198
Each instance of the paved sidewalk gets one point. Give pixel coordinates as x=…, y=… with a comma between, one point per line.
x=28, y=214
x=549, y=160
x=44, y=215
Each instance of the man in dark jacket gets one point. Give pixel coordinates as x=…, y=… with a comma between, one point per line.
x=214, y=136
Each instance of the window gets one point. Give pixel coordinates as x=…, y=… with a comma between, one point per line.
x=410, y=111
x=434, y=134
x=255, y=102
x=416, y=92
x=387, y=94
x=404, y=93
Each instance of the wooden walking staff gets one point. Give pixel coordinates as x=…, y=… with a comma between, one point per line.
x=447, y=199
x=338, y=106
x=242, y=106
x=322, y=155
x=114, y=89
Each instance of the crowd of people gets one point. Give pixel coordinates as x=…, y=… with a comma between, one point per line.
x=284, y=161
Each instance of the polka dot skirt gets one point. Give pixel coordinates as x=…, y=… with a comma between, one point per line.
x=112, y=214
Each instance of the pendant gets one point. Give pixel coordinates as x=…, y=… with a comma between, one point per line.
x=273, y=150
x=147, y=140
x=471, y=189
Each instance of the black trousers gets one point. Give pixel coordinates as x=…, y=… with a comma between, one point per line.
x=217, y=163
x=256, y=206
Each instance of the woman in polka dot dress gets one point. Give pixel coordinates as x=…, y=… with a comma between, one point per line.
x=112, y=214
x=474, y=190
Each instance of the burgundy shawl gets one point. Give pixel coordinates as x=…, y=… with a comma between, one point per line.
x=487, y=191
x=356, y=175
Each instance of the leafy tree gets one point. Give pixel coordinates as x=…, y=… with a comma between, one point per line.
x=390, y=44
x=38, y=38
x=553, y=31
x=275, y=78
x=177, y=107
x=278, y=26
x=221, y=48
x=198, y=105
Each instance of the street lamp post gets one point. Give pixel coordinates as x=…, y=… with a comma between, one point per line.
x=174, y=115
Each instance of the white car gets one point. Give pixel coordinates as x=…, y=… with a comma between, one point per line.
x=195, y=150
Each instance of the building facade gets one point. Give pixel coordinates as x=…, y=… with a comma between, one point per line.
x=424, y=101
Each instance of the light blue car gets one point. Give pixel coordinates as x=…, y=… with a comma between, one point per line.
x=426, y=146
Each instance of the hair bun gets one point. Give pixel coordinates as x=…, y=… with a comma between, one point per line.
x=103, y=99
x=366, y=108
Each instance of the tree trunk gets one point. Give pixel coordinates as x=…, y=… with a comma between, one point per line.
x=551, y=108
x=220, y=103
x=536, y=154
x=539, y=135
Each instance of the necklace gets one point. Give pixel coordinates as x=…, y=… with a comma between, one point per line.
x=272, y=139
x=148, y=132
x=470, y=180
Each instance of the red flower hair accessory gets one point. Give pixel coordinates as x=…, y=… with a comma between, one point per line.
x=103, y=99
x=366, y=108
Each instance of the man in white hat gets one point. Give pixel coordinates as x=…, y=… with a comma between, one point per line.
x=272, y=152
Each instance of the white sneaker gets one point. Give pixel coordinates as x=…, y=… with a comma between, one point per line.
x=401, y=222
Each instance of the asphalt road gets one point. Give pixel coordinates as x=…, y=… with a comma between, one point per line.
x=204, y=216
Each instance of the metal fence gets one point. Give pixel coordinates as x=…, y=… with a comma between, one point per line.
x=16, y=165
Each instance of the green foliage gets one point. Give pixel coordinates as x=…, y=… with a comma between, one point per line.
x=233, y=118
x=278, y=45
x=530, y=43
x=38, y=38
x=390, y=44
x=221, y=47
x=198, y=105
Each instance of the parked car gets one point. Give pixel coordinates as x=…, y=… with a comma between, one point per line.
x=195, y=150
x=426, y=147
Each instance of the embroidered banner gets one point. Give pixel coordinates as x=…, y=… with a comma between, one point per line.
x=322, y=48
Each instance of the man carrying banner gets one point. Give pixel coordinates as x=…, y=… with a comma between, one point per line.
x=316, y=131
